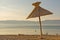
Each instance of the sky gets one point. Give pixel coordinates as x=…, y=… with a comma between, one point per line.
x=20, y=9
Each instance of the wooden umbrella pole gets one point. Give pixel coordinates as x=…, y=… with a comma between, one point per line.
x=40, y=26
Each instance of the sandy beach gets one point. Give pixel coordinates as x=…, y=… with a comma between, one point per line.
x=29, y=37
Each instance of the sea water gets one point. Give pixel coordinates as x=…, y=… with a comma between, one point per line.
x=28, y=29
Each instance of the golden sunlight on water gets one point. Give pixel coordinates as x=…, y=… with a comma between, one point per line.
x=26, y=31
x=17, y=31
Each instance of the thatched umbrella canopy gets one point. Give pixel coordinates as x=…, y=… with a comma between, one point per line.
x=38, y=12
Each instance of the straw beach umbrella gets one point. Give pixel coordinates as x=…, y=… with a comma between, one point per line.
x=38, y=12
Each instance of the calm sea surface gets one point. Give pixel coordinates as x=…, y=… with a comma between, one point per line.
x=27, y=29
